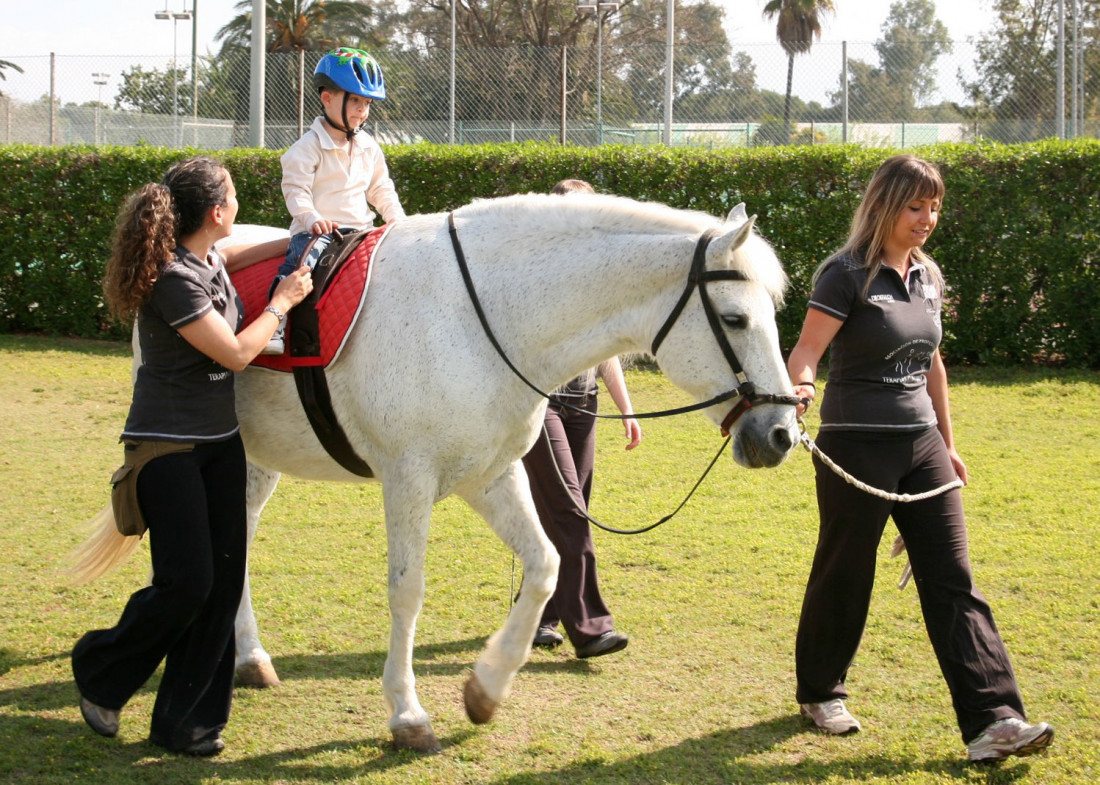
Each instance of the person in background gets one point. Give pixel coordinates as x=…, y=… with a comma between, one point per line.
x=885, y=419
x=165, y=272
x=568, y=443
x=336, y=171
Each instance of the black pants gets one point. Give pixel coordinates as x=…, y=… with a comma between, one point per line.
x=194, y=505
x=570, y=439
x=960, y=625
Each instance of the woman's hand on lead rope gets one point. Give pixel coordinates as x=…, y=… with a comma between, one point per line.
x=805, y=392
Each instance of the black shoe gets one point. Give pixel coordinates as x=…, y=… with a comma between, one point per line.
x=204, y=748
x=608, y=643
x=102, y=721
x=548, y=638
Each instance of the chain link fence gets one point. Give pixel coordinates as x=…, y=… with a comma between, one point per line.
x=583, y=95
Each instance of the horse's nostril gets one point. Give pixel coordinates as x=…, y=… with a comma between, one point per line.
x=782, y=438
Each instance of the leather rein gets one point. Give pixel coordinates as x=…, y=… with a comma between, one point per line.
x=745, y=391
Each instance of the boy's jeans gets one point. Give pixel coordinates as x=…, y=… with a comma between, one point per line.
x=293, y=257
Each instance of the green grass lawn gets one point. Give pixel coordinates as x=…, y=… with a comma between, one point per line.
x=703, y=694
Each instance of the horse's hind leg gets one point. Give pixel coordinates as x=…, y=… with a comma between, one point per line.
x=506, y=504
x=408, y=502
x=254, y=668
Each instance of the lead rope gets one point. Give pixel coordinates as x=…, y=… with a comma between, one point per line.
x=899, y=544
x=612, y=529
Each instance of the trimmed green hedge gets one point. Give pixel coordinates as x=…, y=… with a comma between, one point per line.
x=1017, y=239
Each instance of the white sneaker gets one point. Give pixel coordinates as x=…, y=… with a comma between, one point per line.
x=277, y=344
x=830, y=717
x=1010, y=737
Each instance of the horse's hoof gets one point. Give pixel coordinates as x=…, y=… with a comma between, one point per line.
x=478, y=706
x=419, y=738
x=257, y=674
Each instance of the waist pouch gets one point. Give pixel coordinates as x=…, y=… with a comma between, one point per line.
x=124, y=498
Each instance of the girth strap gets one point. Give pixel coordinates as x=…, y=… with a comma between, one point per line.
x=305, y=341
x=313, y=392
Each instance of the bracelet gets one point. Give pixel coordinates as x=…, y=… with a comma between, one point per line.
x=278, y=314
x=807, y=384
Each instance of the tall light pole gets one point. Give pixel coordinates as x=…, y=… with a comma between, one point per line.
x=195, y=63
x=175, y=17
x=99, y=80
x=454, y=27
x=601, y=8
x=257, y=86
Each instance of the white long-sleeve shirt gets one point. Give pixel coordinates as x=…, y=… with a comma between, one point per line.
x=323, y=181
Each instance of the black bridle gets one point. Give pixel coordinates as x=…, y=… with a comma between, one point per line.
x=698, y=278
x=745, y=391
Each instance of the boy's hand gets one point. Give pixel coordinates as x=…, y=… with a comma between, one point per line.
x=324, y=226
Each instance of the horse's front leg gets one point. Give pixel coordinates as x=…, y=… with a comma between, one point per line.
x=254, y=668
x=408, y=503
x=506, y=504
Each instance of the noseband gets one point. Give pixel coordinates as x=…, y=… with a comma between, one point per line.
x=745, y=392
x=698, y=278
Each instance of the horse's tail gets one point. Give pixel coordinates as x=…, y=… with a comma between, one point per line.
x=104, y=550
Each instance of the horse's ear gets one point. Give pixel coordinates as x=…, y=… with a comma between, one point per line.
x=737, y=214
x=726, y=244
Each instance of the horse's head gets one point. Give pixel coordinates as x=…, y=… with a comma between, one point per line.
x=721, y=336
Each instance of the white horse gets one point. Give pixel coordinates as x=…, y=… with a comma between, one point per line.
x=564, y=283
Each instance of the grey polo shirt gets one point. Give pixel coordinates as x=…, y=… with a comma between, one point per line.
x=880, y=357
x=180, y=394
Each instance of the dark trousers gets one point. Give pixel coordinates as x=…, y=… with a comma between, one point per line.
x=194, y=505
x=960, y=625
x=570, y=439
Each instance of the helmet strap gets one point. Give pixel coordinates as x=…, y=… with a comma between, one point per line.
x=346, y=128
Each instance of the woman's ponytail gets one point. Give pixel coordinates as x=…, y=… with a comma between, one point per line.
x=150, y=225
x=145, y=235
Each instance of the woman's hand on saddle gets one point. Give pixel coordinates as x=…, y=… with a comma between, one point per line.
x=293, y=289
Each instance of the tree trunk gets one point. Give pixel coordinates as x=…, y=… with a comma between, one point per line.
x=787, y=102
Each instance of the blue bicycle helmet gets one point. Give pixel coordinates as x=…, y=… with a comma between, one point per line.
x=353, y=71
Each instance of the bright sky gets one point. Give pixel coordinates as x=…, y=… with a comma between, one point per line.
x=128, y=27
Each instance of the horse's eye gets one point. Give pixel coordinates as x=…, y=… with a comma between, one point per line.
x=735, y=321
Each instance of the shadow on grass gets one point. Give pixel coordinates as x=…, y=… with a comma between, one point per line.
x=719, y=758
x=427, y=661
x=41, y=749
x=10, y=658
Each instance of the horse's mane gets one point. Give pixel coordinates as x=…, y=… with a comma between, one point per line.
x=619, y=214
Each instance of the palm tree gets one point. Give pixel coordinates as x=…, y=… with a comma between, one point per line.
x=302, y=25
x=799, y=22
x=297, y=27
x=8, y=64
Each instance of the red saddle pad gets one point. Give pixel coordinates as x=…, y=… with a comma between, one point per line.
x=338, y=308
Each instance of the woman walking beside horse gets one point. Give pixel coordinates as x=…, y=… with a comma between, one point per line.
x=165, y=272
x=885, y=419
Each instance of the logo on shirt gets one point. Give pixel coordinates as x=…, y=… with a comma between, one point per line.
x=218, y=376
x=881, y=298
x=911, y=360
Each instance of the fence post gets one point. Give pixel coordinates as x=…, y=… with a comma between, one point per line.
x=301, y=90
x=669, y=40
x=53, y=99
x=844, y=90
x=561, y=133
x=1060, y=81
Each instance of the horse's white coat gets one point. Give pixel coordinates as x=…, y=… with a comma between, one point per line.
x=426, y=401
